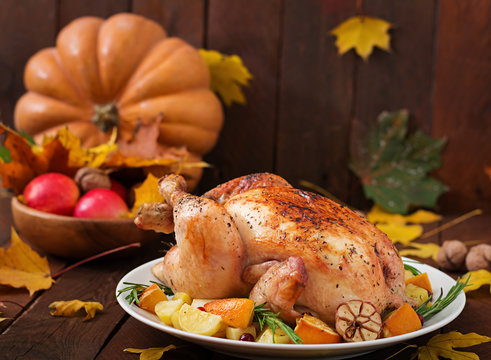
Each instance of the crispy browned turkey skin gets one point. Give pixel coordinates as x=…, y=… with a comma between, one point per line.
x=291, y=249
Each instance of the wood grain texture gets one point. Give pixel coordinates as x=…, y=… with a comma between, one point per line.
x=473, y=231
x=316, y=94
x=26, y=29
x=401, y=79
x=17, y=300
x=70, y=10
x=250, y=29
x=462, y=107
x=134, y=334
x=184, y=19
x=47, y=337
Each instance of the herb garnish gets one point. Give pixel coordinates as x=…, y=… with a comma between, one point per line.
x=412, y=269
x=265, y=316
x=427, y=311
x=137, y=289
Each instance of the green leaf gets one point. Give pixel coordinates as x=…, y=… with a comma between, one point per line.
x=393, y=167
x=5, y=155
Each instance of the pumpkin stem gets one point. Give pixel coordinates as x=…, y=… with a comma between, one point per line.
x=105, y=116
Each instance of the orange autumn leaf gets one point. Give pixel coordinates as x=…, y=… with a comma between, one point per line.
x=77, y=155
x=24, y=164
x=75, y=308
x=20, y=266
x=59, y=153
x=144, y=150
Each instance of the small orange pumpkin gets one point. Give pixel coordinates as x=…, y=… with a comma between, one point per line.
x=124, y=72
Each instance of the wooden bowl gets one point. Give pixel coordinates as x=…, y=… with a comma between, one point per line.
x=71, y=237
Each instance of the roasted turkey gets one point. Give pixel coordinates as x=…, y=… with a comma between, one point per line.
x=258, y=236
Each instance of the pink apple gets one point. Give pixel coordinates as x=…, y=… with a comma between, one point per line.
x=100, y=204
x=53, y=193
x=119, y=189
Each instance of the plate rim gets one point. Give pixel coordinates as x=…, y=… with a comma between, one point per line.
x=214, y=342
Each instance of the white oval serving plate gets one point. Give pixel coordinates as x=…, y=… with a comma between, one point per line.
x=251, y=350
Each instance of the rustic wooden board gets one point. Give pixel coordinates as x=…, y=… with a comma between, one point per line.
x=315, y=99
x=401, y=79
x=246, y=144
x=17, y=300
x=461, y=111
x=48, y=337
x=134, y=334
x=25, y=30
x=474, y=231
x=185, y=19
x=70, y=10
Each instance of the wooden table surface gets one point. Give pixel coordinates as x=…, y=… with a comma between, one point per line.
x=32, y=333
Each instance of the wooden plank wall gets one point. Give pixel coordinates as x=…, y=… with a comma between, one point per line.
x=307, y=106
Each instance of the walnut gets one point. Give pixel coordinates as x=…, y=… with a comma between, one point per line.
x=91, y=178
x=479, y=257
x=451, y=256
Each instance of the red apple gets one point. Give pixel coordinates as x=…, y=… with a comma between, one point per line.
x=119, y=189
x=53, y=193
x=100, y=204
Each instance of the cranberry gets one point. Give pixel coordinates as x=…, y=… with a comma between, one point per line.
x=421, y=319
x=201, y=308
x=246, y=337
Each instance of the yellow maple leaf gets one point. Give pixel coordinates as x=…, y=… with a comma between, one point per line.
x=147, y=192
x=378, y=215
x=442, y=345
x=20, y=266
x=228, y=75
x=75, y=308
x=422, y=251
x=400, y=233
x=362, y=33
x=79, y=156
x=151, y=353
x=478, y=279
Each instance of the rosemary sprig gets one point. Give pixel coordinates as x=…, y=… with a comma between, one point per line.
x=137, y=289
x=427, y=311
x=265, y=316
x=413, y=270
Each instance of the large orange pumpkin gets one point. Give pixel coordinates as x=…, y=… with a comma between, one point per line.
x=124, y=72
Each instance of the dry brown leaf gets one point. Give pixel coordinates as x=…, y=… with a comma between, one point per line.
x=59, y=153
x=24, y=164
x=77, y=155
x=20, y=266
x=144, y=142
x=75, y=308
